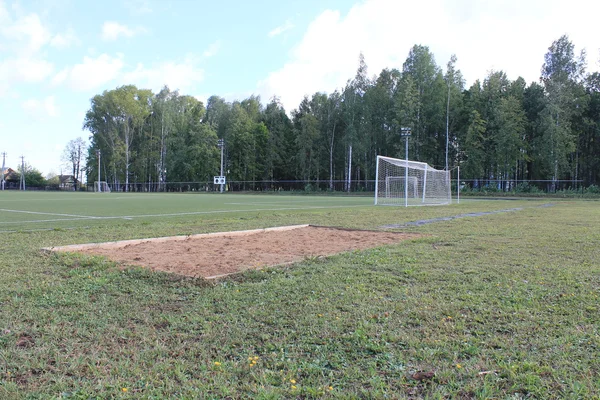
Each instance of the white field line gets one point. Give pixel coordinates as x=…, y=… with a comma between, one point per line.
x=46, y=213
x=37, y=221
x=83, y=218
x=157, y=196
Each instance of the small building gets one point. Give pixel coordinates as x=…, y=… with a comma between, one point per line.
x=10, y=174
x=67, y=182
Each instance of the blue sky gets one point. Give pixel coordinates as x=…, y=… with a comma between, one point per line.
x=57, y=54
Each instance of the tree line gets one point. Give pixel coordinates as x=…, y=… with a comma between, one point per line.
x=497, y=129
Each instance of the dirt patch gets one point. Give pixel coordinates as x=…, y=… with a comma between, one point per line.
x=214, y=255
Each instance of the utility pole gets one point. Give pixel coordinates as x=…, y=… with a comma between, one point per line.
x=98, y=155
x=447, y=124
x=3, y=166
x=221, y=144
x=22, y=182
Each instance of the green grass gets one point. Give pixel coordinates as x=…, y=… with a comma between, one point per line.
x=513, y=293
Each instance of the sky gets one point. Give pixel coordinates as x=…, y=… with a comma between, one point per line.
x=55, y=55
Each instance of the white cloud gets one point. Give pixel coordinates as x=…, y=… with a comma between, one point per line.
x=60, y=77
x=177, y=75
x=212, y=49
x=92, y=73
x=29, y=70
x=96, y=72
x=112, y=30
x=27, y=34
x=138, y=7
x=22, y=41
x=39, y=109
x=65, y=40
x=509, y=35
x=280, y=29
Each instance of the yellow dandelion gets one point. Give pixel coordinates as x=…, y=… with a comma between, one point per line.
x=292, y=380
x=330, y=388
x=255, y=358
x=124, y=389
x=458, y=366
x=319, y=315
x=218, y=364
x=294, y=387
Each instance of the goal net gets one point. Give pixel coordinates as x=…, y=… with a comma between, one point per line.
x=410, y=183
x=101, y=186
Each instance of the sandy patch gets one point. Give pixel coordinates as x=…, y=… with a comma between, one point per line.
x=218, y=254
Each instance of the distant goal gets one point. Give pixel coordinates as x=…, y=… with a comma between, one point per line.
x=410, y=183
x=101, y=186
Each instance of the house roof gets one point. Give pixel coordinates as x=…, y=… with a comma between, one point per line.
x=7, y=171
x=66, y=178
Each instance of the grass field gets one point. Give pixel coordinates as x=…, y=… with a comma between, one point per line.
x=504, y=305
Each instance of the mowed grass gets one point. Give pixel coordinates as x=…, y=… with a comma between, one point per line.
x=498, y=306
x=51, y=210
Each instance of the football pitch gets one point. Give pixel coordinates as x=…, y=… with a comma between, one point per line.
x=55, y=210
x=494, y=299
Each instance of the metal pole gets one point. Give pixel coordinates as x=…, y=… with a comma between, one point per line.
x=222, y=186
x=376, y=179
x=22, y=183
x=99, y=154
x=458, y=187
x=424, y=184
x=447, y=124
x=221, y=144
x=406, y=176
x=3, y=166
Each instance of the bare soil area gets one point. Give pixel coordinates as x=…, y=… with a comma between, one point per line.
x=215, y=255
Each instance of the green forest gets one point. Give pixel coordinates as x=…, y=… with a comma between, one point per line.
x=498, y=130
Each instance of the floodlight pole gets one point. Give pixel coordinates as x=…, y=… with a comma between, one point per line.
x=405, y=132
x=3, y=166
x=98, y=154
x=22, y=182
x=221, y=144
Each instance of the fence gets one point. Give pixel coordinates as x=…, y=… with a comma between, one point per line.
x=474, y=186
x=247, y=186
x=521, y=186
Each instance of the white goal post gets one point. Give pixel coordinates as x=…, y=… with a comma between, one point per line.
x=410, y=183
x=101, y=186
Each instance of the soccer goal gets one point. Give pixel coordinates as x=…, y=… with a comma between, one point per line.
x=410, y=183
x=101, y=186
